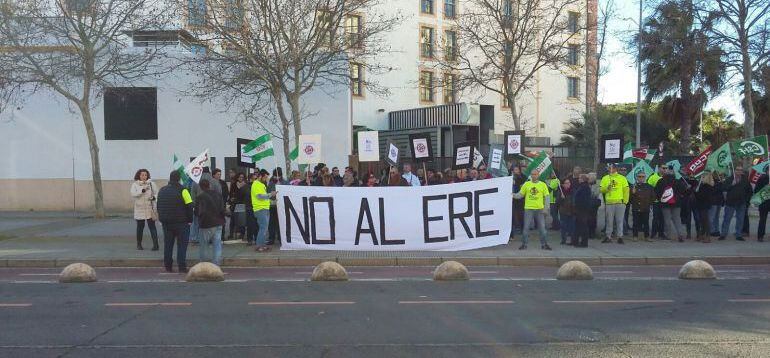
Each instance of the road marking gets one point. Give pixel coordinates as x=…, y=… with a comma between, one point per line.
x=147, y=304
x=310, y=273
x=300, y=303
x=617, y=301
x=615, y=272
x=38, y=274
x=482, y=272
x=14, y=305
x=455, y=302
x=736, y=300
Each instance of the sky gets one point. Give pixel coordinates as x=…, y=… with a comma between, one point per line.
x=618, y=83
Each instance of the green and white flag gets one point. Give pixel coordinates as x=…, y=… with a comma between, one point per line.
x=720, y=160
x=259, y=148
x=677, y=168
x=751, y=147
x=179, y=166
x=641, y=166
x=761, y=196
x=294, y=154
x=542, y=163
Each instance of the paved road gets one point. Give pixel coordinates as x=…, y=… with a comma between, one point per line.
x=529, y=316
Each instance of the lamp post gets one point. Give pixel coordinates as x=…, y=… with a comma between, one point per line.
x=639, y=80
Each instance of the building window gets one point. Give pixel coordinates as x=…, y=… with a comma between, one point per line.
x=78, y=6
x=325, y=20
x=426, y=86
x=573, y=22
x=450, y=45
x=353, y=31
x=507, y=53
x=426, y=6
x=426, y=42
x=573, y=55
x=130, y=113
x=450, y=88
x=356, y=79
x=449, y=8
x=196, y=12
x=573, y=87
x=233, y=14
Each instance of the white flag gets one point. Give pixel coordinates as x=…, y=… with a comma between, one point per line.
x=195, y=169
x=477, y=157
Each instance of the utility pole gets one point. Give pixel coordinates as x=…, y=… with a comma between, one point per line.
x=639, y=80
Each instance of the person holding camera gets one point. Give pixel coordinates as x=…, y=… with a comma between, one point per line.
x=143, y=190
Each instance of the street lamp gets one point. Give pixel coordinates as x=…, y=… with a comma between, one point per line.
x=639, y=80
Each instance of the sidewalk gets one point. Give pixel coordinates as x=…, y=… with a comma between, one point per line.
x=57, y=239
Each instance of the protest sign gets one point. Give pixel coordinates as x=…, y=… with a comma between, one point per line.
x=368, y=146
x=612, y=148
x=463, y=158
x=750, y=147
x=698, y=164
x=244, y=161
x=452, y=217
x=194, y=170
x=422, y=149
x=514, y=143
x=392, y=158
x=310, y=149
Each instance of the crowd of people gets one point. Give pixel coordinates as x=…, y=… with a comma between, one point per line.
x=662, y=206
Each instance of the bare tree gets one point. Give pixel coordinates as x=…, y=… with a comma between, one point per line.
x=265, y=55
x=503, y=44
x=75, y=48
x=743, y=32
x=597, y=38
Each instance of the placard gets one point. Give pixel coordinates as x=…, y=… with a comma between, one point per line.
x=392, y=158
x=463, y=158
x=450, y=217
x=422, y=150
x=244, y=161
x=310, y=149
x=496, y=159
x=612, y=148
x=369, y=146
x=514, y=143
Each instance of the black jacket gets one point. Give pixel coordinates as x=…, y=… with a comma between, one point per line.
x=679, y=187
x=739, y=193
x=584, y=201
x=705, y=196
x=209, y=209
x=763, y=181
x=171, y=206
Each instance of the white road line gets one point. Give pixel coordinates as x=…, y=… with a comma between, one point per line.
x=615, y=272
x=38, y=274
x=14, y=305
x=616, y=301
x=475, y=302
x=147, y=304
x=310, y=273
x=738, y=300
x=300, y=303
x=483, y=272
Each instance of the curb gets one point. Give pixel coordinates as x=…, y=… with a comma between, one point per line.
x=407, y=261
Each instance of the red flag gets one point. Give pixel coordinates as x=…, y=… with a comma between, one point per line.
x=755, y=175
x=698, y=163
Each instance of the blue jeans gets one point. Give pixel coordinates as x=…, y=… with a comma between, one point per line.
x=263, y=220
x=714, y=218
x=194, y=229
x=567, y=227
x=214, y=236
x=740, y=212
x=539, y=217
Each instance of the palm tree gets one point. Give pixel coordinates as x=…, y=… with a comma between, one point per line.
x=681, y=64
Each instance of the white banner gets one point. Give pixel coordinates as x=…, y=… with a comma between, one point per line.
x=449, y=217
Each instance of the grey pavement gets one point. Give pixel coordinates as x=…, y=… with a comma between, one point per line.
x=67, y=237
x=604, y=318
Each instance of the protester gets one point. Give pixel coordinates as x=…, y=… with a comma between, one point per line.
x=717, y=202
x=483, y=173
x=421, y=175
x=689, y=213
x=737, y=194
x=473, y=175
x=175, y=213
x=195, y=190
x=308, y=181
x=462, y=176
x=584, y=204
x=518, y=203
x=764, y=207
x=430, y=176
x=450, y=176
x=622, y=170
x=273, y=231
x=371, y=180
x=410, y=178
x=296, y=177
x=238, y=219
x=251, y=221
x=260, y=200
x=596, y=196
x=217, y=174
x=211, y=216
x=327, y=180
x=704, y=192
x=536, y=201
x=143, y=191
x=553, y=187
x=349, y=180
x=565, y=202
x=616, y=194
x=671, y=192
x=642, y=197
x=336, y=177
x=657, y=214
x=394, y=179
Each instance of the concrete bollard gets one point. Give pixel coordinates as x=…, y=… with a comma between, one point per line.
x=697, y=270
x=205, y=272
x=574, y=270
x=451, y=271
x=77, y=272
x=329, y=271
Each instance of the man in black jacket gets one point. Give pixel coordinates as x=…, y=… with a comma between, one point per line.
x=175, y=214
x=210, y=210
x=738, y=194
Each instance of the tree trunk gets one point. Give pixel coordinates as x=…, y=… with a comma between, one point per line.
x=296, y=115
x=514, y=114
x=595, y=120
x=685, y=115
x=748, y=123
x=285, y=132
x=96, y=171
